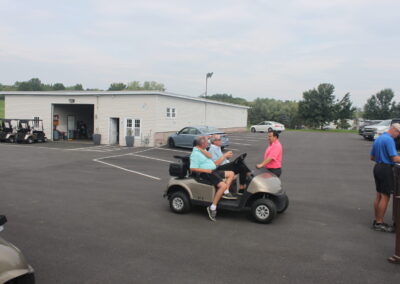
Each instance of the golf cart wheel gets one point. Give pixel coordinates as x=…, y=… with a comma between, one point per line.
x=253, y=130
x=171, y=143
x=179, y=202
x=263, y=210
x=285, y=206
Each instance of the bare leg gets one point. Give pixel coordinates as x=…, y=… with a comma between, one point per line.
x=229, y=175
x=376, y=203
x=220, y=191
x=382, y=205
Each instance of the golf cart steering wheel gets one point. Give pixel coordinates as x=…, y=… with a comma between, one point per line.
x=240, y=159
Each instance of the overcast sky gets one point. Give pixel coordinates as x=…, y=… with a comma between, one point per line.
x=274, y=49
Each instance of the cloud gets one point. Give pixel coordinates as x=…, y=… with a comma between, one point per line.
x=256, y=48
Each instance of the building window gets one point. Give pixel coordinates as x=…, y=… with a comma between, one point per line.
x=133, y=127
x=171, y=112
x=137, y=127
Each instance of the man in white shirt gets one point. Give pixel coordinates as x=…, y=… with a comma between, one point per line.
x=221, y=160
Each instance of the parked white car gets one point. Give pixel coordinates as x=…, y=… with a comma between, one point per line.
x=266, y=126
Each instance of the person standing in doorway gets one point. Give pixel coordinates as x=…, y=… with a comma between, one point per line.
x=273, y=155
x=385, y=155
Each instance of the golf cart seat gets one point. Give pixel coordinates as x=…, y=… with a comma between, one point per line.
x=182, y=170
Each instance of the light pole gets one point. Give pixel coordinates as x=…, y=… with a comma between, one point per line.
x=208, y=75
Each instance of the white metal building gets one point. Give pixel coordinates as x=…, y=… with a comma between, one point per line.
x=150, y=116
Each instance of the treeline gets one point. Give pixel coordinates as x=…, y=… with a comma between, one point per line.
x=318, y=108
x=137, y=86
x=382, y=106
x=35, y=84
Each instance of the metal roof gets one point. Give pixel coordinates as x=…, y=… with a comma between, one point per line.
x=115, y=93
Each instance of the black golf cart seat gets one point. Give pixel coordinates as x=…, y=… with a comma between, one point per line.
x=182, y=170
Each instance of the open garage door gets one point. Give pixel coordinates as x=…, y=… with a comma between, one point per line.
x=73, y=121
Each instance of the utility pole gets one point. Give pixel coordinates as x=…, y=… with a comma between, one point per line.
x=208, y=75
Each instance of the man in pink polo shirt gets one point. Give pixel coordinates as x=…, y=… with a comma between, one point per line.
x=273, y=155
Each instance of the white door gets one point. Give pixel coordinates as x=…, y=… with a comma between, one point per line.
x=113, y=131
x=71, y=126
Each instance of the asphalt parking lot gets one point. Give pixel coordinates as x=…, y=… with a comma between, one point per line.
x=95, y=214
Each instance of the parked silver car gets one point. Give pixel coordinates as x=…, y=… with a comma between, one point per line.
x=186, y=137
x=13, y=266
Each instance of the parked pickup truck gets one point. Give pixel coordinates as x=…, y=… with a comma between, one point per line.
x=371, y=132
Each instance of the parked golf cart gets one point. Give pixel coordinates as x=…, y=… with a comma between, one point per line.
x=263, y=194
x=8, y=130
x=30, y=131
x=14, y=268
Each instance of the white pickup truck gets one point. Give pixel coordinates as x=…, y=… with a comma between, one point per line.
x=371, y=132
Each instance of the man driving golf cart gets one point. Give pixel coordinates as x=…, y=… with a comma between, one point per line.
x=188, y=186
x=201, y=163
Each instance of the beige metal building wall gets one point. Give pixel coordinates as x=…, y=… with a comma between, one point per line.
x=196, y=112
x=30, y=106
x=190, y=112
x=140, y=107
x=150, y=108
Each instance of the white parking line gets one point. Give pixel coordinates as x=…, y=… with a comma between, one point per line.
x=30, y=146
x=114, y=156
x=152, y=158
x=250, y=138
x=244, y=144
x=100, y=148
x=121, y=168
x=173, y=150
x=124, y=169
x=230, y=138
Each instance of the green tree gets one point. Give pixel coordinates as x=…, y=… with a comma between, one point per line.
x=147, y=85
x=344, y=110
x=318, y=106
x=58, y=87
x=33, y=84
x=228, y=99
x=78, y=87
x=285, y=112
x=395, y=110
x=380, y=106
x=117, y=87
x=153, y=86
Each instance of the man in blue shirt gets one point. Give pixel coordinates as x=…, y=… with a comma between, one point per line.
x=200, y=162
x=385, y=155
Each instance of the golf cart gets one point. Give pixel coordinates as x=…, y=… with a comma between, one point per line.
x=263, y=194
x=30, y=130
x=8, y=130
x=13, y=265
